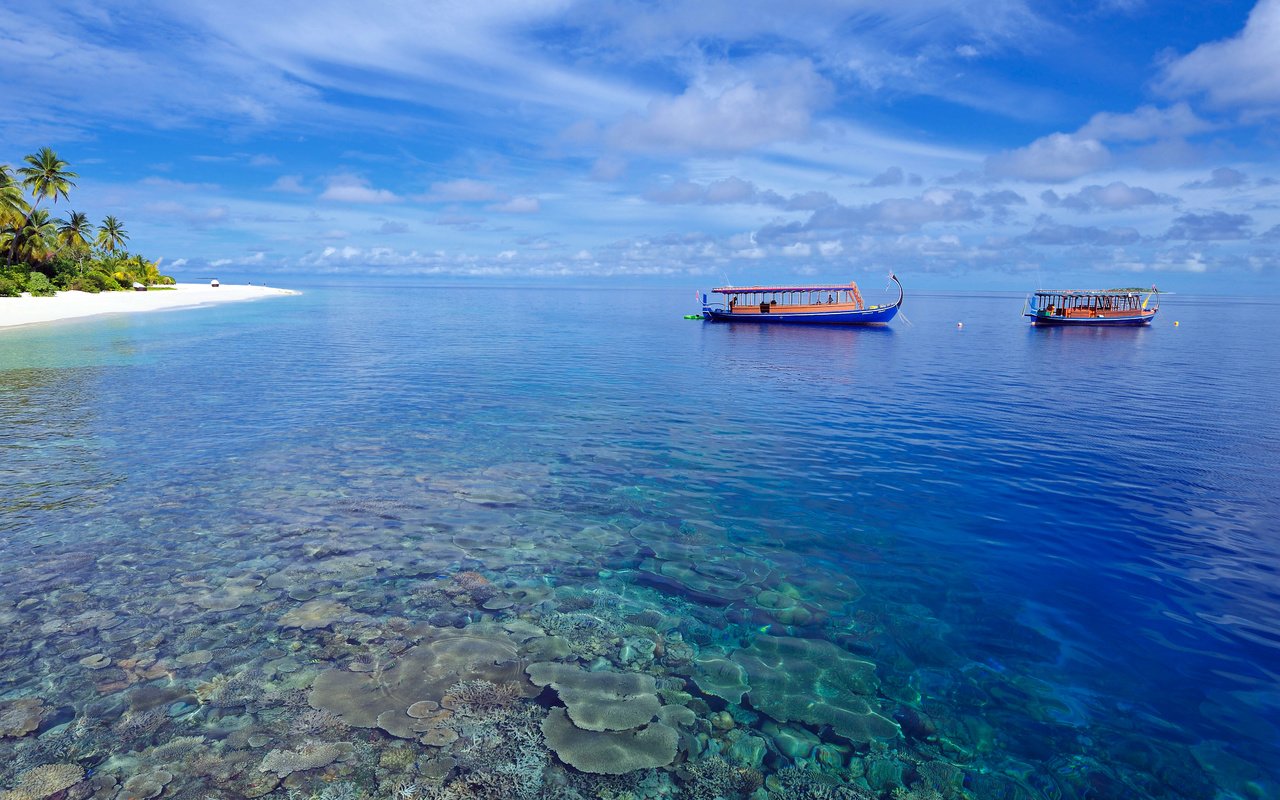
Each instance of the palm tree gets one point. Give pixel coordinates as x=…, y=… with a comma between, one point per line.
x=74, y=233
x=75, y=230
x=38, y=237
x=111, y=234
x=13, y=206
x=45, y=175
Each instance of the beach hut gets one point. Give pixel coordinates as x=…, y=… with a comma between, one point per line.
x=138, y=287
x=214, y=283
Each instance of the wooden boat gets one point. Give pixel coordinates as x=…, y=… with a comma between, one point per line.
x=806, y=305
x=1107, y=307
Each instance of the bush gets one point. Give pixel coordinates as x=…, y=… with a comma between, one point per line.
x=9, y=288
x=39, y=286
x=94, y=282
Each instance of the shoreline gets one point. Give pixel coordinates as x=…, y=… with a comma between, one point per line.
x=23, y=311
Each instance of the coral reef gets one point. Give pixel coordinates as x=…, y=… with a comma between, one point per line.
x=44, y=781
x=311, y=756
x=609, y=752
x=600, y=701
x=814, y=681
x=20, y=717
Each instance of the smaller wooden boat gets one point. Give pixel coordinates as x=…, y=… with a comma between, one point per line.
x=840, y=304
x=1107, y=307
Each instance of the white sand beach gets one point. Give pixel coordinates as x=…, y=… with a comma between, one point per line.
x=27, y=310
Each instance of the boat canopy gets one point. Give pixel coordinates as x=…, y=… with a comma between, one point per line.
x=1094, y=293
x=843, y=287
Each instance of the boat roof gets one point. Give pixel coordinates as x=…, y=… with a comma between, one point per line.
x=1092, y=292
x=842, y=287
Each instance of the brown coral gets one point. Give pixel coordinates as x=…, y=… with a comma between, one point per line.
x=312, y=756
x=20, y=717
x=43, y=781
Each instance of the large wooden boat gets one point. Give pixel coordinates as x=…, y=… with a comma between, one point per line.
x=1107, y=307
x=808, y=305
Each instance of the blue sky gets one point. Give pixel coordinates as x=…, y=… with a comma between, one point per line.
x=983, y=144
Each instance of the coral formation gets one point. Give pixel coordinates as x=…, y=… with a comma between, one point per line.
x=609, y=752
x=718, y=676
x=424, y=672
x=814, y=681
x=600, y=701
x=311, y=756
x=314, y=614
x=43, y=781
x=20, y=717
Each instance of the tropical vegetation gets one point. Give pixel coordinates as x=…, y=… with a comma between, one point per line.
x=41, y=254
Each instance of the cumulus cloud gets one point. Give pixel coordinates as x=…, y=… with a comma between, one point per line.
x=517, y=205
x=893, y=176
x=1114, y=196
x=1048, y=232
x=732, y=118
x=1144, y=124
x=464, y=190
x=288, y=184
x=608, y=168
x=1220, y=178
x=348, y=188
x=1241, y=72
x=1214, y=226
x=735, y=190
x=1055, y=158
x=1004, y=197
x=897, y=215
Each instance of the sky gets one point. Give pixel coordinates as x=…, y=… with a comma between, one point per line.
x=987, y=144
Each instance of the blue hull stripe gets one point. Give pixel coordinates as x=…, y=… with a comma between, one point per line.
x=1091, y=321
x=873, y=316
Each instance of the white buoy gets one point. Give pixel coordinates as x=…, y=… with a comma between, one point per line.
x=959, y=324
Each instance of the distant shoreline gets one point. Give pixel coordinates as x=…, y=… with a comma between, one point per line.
x=68, y=305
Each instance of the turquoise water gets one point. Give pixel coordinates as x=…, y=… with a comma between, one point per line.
x=409, y=541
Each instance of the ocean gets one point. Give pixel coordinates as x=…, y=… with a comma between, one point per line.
x=402, y=540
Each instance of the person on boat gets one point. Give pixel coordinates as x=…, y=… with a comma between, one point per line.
x=830, y=299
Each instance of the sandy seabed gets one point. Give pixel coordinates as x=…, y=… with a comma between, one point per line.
x=28, y=310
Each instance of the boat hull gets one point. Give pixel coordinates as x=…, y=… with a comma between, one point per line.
x=1092, y=322
x=865, y=316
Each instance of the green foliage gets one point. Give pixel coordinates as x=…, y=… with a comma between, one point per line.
x=9, y=288
x=39, y=286
x=95, y=282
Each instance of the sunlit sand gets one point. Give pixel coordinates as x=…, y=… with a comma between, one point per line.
x=26, y=310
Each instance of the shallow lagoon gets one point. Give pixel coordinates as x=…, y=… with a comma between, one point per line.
x=454, y=542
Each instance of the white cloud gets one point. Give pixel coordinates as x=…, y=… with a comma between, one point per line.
x=1144, y=124
x=289, y=184
x=1220, y=178
x=1055, y=158
x=608, y=168
x=736, y=117
x=354, y=189
x=797, y=250
x=1241, y=72
x=1114, y=196
x=517, y=205
x=464, y=190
